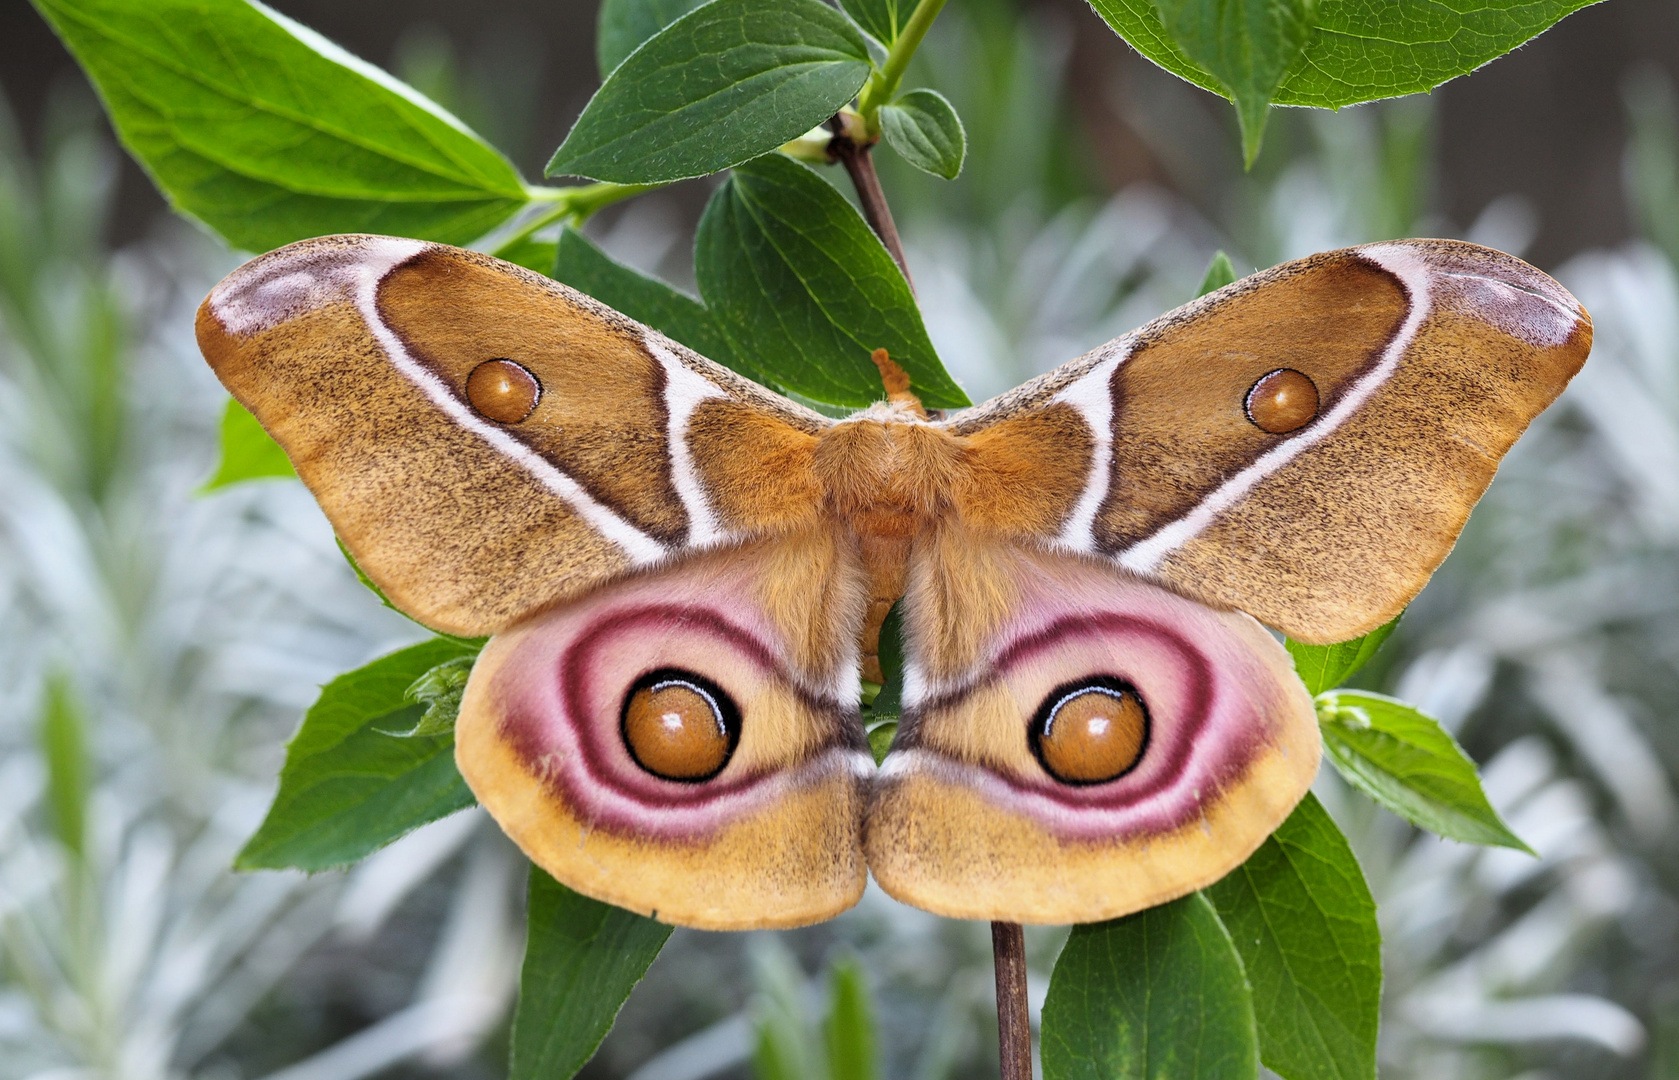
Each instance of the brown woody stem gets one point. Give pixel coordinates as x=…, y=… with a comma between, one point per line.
x=860, y=164
x=1014, y=1022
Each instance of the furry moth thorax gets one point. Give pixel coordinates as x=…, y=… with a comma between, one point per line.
x=683, y=571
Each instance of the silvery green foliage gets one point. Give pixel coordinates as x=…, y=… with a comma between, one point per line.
x=190, y=632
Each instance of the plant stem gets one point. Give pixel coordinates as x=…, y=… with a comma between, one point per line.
x=884, y=82
x=860, y=165
x=576, y=203
x=1014, y=1022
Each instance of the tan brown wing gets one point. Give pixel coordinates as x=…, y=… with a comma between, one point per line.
x=488, y=442
x=1305, y=444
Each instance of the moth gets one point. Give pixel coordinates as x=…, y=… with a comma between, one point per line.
x=684, y=574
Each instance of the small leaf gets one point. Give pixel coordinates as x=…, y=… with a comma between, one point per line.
x=728, y=81
x=924, y=129
x=1159, y=995
x=248, y=452
x=1247, y=45
x=805, y=292
x=1303, y=919
x=880, y=739
x=674, y=314
x=1324, y=667
x=848, y=1033
x=439, y=692
x=883, y=20
x=1220, y=272
x=1359, y=51
x=348, y=788
x=531, y=254
x=623, y=25
x=269, y=133
x=1410, y=764
x=582, y=959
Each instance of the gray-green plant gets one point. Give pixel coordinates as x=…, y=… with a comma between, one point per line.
x=266, y=133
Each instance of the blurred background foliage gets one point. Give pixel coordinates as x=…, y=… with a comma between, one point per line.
x=156, y=647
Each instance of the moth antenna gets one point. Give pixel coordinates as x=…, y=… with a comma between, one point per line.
x=896, y=380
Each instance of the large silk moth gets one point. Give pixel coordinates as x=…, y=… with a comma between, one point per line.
x=683, y=573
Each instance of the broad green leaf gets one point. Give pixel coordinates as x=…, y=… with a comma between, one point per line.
x=1220, y=272
x=248, y=452
x=1410, y=764
x=676, y=315
x=348, y=788
x=883, y=19
x=531, y=254
x=1359, y=51
x=269, y=133
x=848, y=1032
x=1303, y=919
x=582, y=959
x=728, y=81
x=1324, y=667
x=623, y=25
x=924, y=128
x=1159, y=995
x=805, y=292
x=62, y=731
x=1247, y=45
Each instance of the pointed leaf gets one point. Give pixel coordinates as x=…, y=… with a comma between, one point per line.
x=1220, y=272
x=1324, y=667
x=248, y=452
x=848, y=1033
x=1361, y=51
x=1410, y=764
x=1247, y=45
x=269, y=133
x=805, y=292
x=1303, y=919
x=648, y=300
x=623, y=25
x=348, y=788
x=728, y=81
x=582, y=959
x=1159, y=995
x=923, y=127
x=62, y=731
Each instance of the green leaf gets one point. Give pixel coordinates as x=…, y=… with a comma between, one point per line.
x=1220, y=272
x=1324, y=667
x=1159, y=995
x=439, y=692
x=1410, y=764
x=923, y=127
x=1247, y=45
x=623, y=25
x=269, y=133
x=582, y=959
x=348, y=788
x=728, y=81
x=880, y=739
x=1304, y=922
x=248, y=452
x=805, y=292
x=62, y=731
x=676, y=315
x=848, y=1033
x=531, y=254
x=883, y=19
x=1359, y=51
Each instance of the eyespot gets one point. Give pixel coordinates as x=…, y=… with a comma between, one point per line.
x=1284, y=400
x=679, y=725
x=1090, y=731
x=502, y=391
